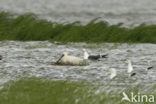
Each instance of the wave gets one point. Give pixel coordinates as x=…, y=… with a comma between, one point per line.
x=28, y=27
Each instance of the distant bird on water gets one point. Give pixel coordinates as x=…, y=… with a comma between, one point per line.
x=92, y=57
x=133, y=74
x=130, y=68
x=113, y=72
x=149, y=66
x=70, y=60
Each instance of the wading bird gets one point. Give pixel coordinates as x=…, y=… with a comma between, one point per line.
x=70, y=60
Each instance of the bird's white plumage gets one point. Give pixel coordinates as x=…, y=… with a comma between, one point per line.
x=66, y=59
x=130, y=67
x=85, y=54
x=113, y=73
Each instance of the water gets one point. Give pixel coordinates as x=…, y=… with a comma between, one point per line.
x=130, y=12
x=33, y=59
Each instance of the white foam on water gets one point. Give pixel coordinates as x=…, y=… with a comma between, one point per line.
x=33, y=59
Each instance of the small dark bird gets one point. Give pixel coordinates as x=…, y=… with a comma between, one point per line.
x=151, y=67
x=133, y=74
x=96, y=57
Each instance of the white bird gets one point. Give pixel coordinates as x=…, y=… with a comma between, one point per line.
x=92, y=57
x=130, y=68
x=85, y=54
x=70, y=60
x=113, y=72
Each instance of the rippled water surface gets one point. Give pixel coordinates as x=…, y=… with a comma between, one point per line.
x=27, y=59
x=115, y=11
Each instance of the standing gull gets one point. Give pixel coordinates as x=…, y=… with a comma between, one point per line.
x=130, y=68
x=92, y=57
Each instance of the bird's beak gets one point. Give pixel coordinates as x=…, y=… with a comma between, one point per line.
x=107, y=70
x=59, y=58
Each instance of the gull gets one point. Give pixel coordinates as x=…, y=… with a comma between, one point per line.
x=92, y=57
x=113, y=72
x=130, y=68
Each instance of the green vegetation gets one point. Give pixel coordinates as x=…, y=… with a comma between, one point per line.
x=28, y=27
x=41, y=91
